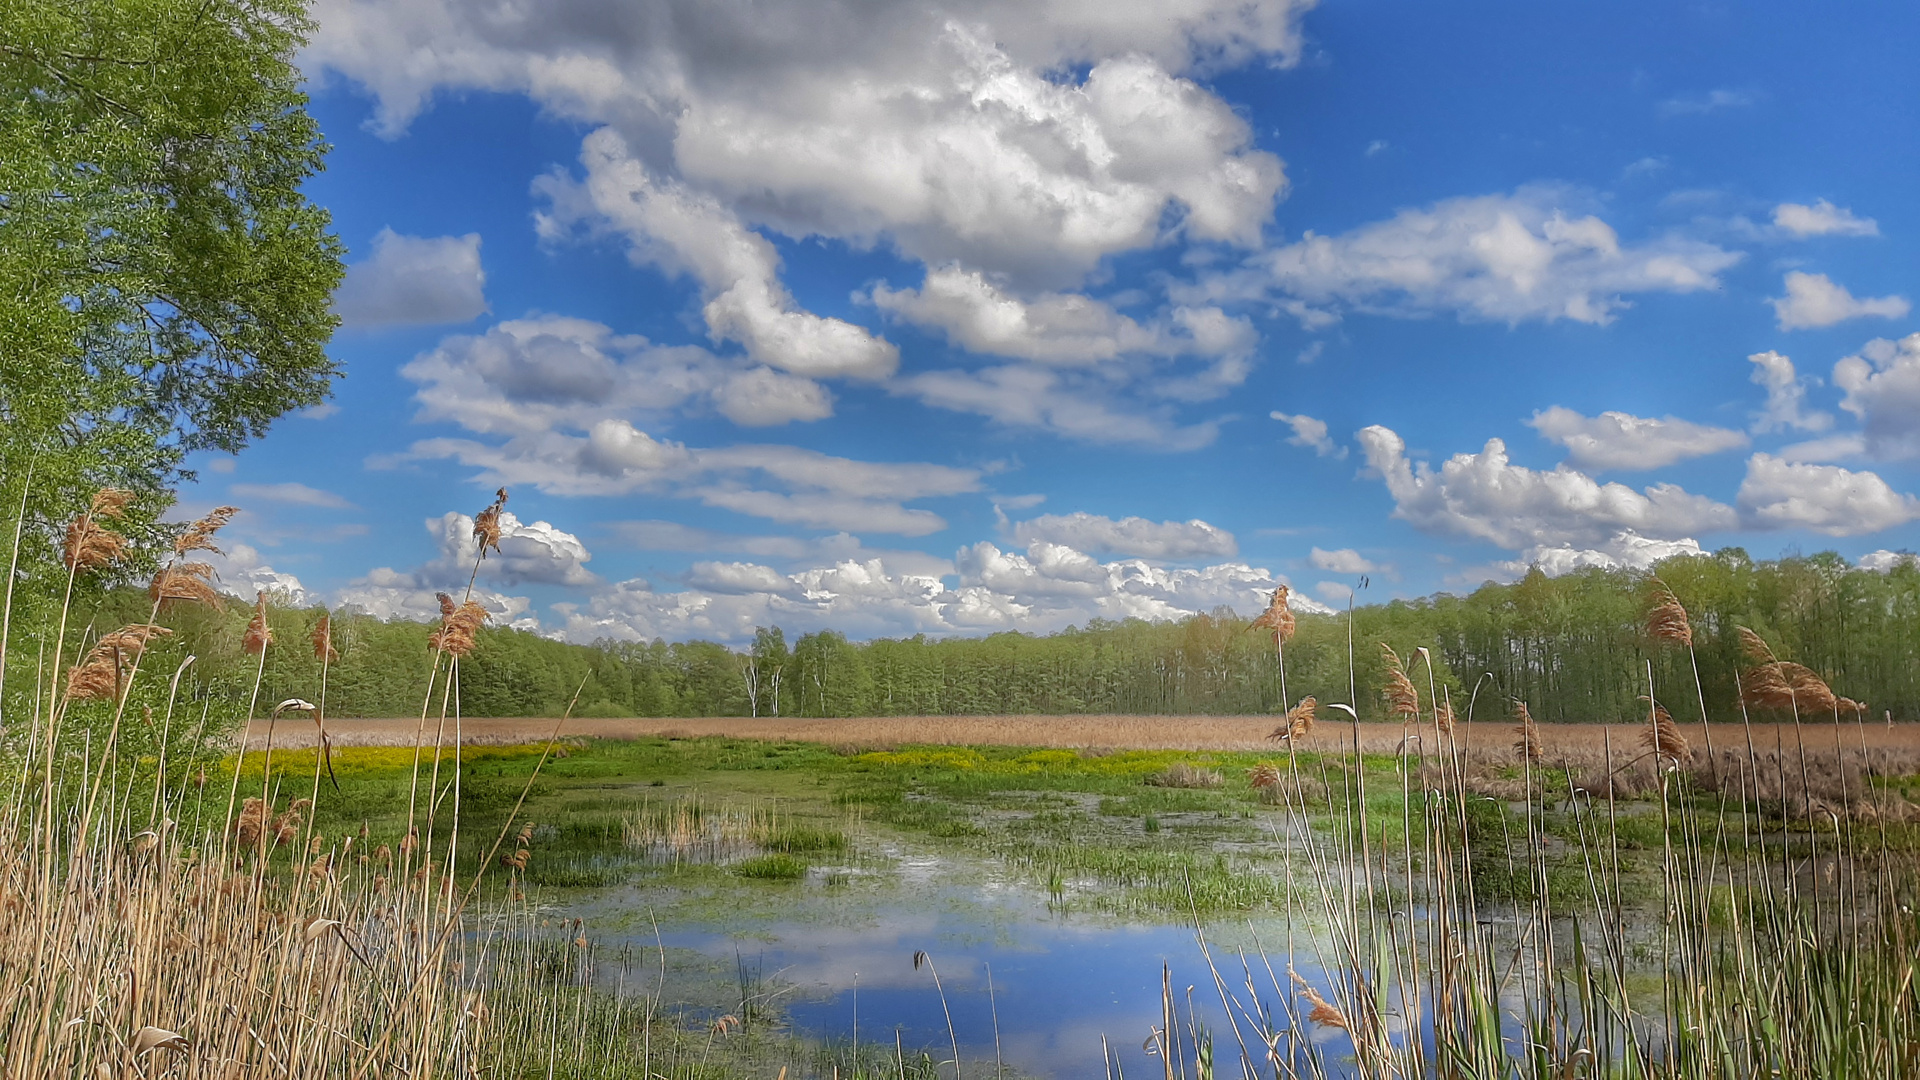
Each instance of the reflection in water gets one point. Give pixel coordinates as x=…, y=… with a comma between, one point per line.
x=839, y=960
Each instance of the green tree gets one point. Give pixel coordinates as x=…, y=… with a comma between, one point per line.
x=164, y=284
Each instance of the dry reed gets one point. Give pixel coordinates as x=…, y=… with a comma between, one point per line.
x=1528, y=747
x=259, y=635
x=1278, y=617
x=1298, y=722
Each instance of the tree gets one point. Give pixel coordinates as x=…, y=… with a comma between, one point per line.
x=164, y=284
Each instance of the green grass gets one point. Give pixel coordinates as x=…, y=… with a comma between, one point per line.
x=776, y=866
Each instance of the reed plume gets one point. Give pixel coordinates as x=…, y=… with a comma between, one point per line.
x=98, y=677
x=1264, y=776
x=1753, y=646
x=486, y=524
x=1528, y=746
x=457, y=628
x=1403, y=700
x=199, y=535
x=1443, y=718
x=186, y=582
x=91, y=545
x=1324, y=1013
x=1664, y=739
x=1667, y=619
x=323, y=649
x=259, y=635
x=1278, y=617
x=1298, y=721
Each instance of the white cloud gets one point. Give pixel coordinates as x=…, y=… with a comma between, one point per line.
x=683, y=230
x=534, y=374
x=1786, y=407
x=1826, y=499
x=536, y=552
x=1814, y=300
x=1624, y=550
x=834, y=548
x=1047, y=587
x=388, y=594
x=1483, y=496
x=1128, y=536
x=764, y=397
x=1056, y=328
x=1821, y=219
x=1883, y=561
x=1882, y=382
x=1617, y=440
x=1310, y=433
x=1342, y=561
x=1335, y=593
x=414, y=280
x=1826, y=448
x=1024, y=396
x=1709, y=102
x=1503, y=258
x=243, y=572
x=290, y=492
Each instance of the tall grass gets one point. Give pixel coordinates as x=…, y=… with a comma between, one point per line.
x=1770, y=948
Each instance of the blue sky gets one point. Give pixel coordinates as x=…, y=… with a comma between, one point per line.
x=914, y=317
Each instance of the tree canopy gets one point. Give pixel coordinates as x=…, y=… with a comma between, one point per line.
x=164, y=283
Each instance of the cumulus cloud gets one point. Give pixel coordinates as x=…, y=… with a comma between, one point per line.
x=1827, y=499
x=1786, y=407
x=1814, y=300
x=1503, y=258
x=525, y=376
x=390, y=594
x=1342, y=561
x=1009, y=147
x=1882, y=382
x=290, y=492
x=1617, y=440
x=1626, y=550
x=1026, y=396
x=414, y=280
x=1127, y=536
x=1056, y=328
x=1310, y=433
x=1884, y=561
x=529, y=552
x=1821, y=219
x=1047, y=587
x=243, y=572
x=676, y=227
x=1484, y=496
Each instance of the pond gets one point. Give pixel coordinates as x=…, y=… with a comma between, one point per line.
x=1028, y=978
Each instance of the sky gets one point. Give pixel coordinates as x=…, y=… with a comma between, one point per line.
x=912, y=317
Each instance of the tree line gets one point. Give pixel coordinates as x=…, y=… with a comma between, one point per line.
x=1573, y=648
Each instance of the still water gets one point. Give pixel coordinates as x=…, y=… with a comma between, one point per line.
x=1045, y=977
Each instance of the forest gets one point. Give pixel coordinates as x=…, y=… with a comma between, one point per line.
x=1573, y=648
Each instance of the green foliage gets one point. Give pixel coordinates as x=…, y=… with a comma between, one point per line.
x=167, y=284
x=777, y=866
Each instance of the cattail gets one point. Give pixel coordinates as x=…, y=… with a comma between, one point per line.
x=186, y=582
x=1324, y=1013
x=199, y=535
x=1667, y=619
x=1528, y=745
x=259, y=635
x=323, y=649
x=458, y=628
x=1298, y=721
x=98, y=676
x=1403, y=700
x=1664, y=737
x=1264, y=776
x=1277, y=618
x=91, y=545
x=486, y=525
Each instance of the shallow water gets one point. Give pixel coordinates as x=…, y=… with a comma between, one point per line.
x=837, y=961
